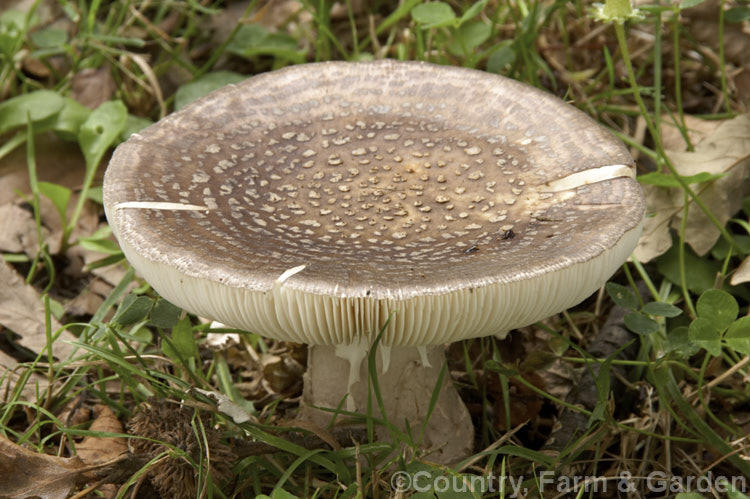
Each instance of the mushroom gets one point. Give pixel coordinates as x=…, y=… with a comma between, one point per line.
x=323, y=203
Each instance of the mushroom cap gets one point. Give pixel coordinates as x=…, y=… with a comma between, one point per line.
x=311, y=203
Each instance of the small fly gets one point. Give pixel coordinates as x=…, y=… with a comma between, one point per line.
x=508, y=234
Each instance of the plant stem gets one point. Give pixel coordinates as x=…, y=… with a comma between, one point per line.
x=622, y=42
x=683, y=277
x=677, y=76
x=722, y=62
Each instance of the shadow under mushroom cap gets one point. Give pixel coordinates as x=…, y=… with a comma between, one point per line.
x=397, y=185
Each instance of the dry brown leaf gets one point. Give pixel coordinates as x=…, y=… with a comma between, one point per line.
x=280, y=372
x=92, y=87
x=87, y=302
x=100, y=449
x=25, y=473
x=525, y=403
x=22, y=311
x=35, y=67
x=228, y=407
x=9, y=374
x=741, y=273
x=74, y=412
x=219, y=341
x=57, y=161
x=18, y=234
x=697, y=130
x=726, y=151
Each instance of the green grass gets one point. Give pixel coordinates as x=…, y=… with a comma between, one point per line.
x=687, y=399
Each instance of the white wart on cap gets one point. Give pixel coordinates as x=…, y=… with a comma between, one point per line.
x=310, y=203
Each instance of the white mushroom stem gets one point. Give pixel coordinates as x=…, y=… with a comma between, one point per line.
x=356, y=354
x=406, y=389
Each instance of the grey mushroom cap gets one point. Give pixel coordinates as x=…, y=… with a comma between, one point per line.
x=311, y=203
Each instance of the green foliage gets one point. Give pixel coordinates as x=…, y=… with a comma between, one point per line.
x=622, y=295
x=468, y=37
x=13, y=27
x=716, y=321
x=164, y=314
x=640, y=320
x=737, y=14
x=737, y=336
x=719, y=307
x=60, y=197
x=100, y=130
x=181, y=345
x=133, y=124
x=34, y=106
x=717, y=324
x=132, y=309
x=204, y=85
x=49, y=38
x=678, y=341
x=705, y=335
x=67, y=123
x=640, y=323
x=254, y=40
x=277, y=494
x=664, y=180
x=100, y=242
x=463, y=37
x=433, y=15
x=661, y=309
x=702, y=274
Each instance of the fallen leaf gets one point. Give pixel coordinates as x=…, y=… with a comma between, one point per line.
x=36, y=67
x=22, y=311
x=25, y=473
x=228, y=406
x=10, y=373
x=92, y=87
x=88, y=300
x=697, y=129
x=57, y=161
x=79, y=258
x=525, y=403
x=741, y=273
x=219, y=341
x=74, y=412
x=101, y=449
x=281, y=373
x=726, y=151
x=18, y=234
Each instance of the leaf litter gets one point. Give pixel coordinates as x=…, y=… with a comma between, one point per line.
x=727, y=152
x=27, y=473
x=22, y=312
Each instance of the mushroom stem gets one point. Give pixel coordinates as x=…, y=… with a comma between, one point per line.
x=406, y=389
